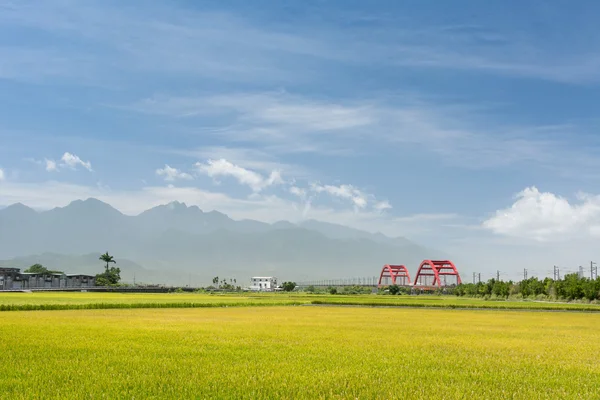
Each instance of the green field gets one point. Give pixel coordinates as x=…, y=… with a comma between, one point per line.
x=79, y=300
x=299, y=352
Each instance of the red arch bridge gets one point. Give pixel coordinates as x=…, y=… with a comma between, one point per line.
x=431, y=275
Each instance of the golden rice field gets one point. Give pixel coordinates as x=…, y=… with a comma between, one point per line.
x=93, y=300
x=299, y=352
x=83, y=298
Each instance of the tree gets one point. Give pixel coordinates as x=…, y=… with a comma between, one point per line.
x=112, y=275
x=40, y=269
x=394, y=289
x=107, y=259
x=288, y=286
x=215, y=280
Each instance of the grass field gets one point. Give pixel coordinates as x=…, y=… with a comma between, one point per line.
x=78, y=300
x=299, y=352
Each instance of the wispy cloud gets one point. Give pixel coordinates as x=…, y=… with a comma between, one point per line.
x=68, y=160
x=461, y=134
x=249, y=157
x=297, y=191
x=348, y=192
x=271, y=118
x=155, y=39
x=51, y=165
x=382, y=205
x=2, y=176
x=172, y=174
x=359, y=199
x=160, y=39
x=224, y=168
x=73, y=161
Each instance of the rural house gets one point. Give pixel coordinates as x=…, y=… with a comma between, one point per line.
x=14, y=279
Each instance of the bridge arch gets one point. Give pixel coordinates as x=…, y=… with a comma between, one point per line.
x=437, y=269
x=394, y=272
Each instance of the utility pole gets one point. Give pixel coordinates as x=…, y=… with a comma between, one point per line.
x=524, y=274
x=134, y=279
x=498, y=275
x=479, y=277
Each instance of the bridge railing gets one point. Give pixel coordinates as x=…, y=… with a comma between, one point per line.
x=370, y=281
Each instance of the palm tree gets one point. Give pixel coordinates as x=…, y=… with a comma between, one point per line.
x=107, y=259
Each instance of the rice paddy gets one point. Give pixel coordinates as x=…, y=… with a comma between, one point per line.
x=299, y=352
x=99, y=300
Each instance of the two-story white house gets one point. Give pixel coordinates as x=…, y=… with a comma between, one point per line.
x=263, y=283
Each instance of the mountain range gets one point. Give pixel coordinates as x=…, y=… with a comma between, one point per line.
x=180, y=244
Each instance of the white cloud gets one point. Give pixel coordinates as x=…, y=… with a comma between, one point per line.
x=171, y=174
x=382, y=205
x=544, y=216
x=2, y=176
x=72, y=161
x=51, y=165
x=68, y=160
x=348, y=192
x=297, y=191
x=252, y=158
x=357, y=197
x=222, y=167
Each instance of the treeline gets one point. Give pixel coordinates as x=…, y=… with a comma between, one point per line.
x=356, y=289
x=571, y=287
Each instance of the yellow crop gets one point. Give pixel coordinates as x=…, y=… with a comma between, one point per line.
x=299, y=353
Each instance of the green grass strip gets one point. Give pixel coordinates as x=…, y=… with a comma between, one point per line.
x=495, y=306
x=106, y=306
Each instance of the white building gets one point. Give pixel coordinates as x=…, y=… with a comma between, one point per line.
x=263, y=283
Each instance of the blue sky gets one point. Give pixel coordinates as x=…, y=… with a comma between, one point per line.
x=470, y=126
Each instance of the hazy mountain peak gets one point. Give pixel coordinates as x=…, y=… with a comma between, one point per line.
x=175, y=205
x=88, y=207
x=89, y=202
x=20, y=208
x=174, y=236
x=217, y=214
x=284, y=225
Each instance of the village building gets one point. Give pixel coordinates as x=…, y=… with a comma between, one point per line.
x=263, y=283
x=14, y=279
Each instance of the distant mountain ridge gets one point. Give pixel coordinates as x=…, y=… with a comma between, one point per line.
x=184, y=239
